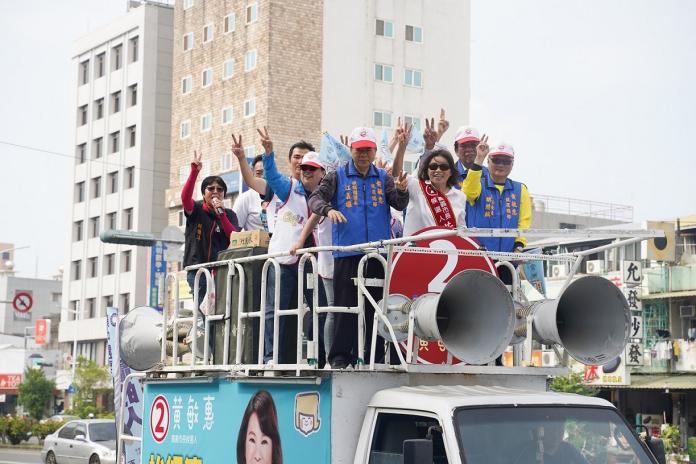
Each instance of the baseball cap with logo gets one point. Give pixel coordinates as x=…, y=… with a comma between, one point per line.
x=311, y=159
x=502, y=149
x=362, y=137
x=466, y=134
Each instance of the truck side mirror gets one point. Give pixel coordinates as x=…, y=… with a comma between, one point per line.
x=657, y=448
x=418, y=451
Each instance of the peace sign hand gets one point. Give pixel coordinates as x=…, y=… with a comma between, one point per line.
x=442, y=125
x=266, y=140
x=482, y=150
x=430, y=134
x=344, y=140
x=197, y=157
x=401, y=182
x=403, y=135
x=237, y=148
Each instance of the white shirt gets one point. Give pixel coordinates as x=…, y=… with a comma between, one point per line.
x=247, y=207
x=418, y=213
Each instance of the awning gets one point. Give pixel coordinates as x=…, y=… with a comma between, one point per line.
x=657, y=296
x=661, y=382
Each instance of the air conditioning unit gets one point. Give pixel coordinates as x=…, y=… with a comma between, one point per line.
x=559, y=270
x=595, y=266
x=687, y=311
x=548, y=359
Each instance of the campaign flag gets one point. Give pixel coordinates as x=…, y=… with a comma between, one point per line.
x=416, y=143
x=384, y=151
x=534, y=272
x=332, y=152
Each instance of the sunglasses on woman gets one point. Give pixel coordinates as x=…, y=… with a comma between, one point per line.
x=442, y=167
x=213, y=189
x=308, y=168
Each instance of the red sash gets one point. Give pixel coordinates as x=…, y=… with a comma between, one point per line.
x=439, y=205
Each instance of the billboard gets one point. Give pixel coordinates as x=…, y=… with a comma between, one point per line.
x=236, y=422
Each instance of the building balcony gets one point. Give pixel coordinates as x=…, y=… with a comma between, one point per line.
x=671, y=281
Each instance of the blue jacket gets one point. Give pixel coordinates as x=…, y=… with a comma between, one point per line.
x=496, y=210
x=462, y=175
x=363, y=201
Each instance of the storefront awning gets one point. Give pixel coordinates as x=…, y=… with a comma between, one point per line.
x=657, y=296
x=662, y=382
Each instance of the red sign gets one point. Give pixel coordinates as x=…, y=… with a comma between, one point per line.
x=10, y=381
x=22, y=302
x=159, y=419
x=42, y=334
x=414, y=274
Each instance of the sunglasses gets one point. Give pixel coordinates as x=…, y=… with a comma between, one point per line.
x=442, y=167
x=214, y=189
x=308, y=168
x=501, y=161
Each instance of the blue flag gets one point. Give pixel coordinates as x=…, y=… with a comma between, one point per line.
x=416, y=142
x=384, y=151
x=332, y=152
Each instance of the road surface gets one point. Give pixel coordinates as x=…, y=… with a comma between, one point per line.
x=19, y=456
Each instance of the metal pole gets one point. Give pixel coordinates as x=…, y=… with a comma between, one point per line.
x=78, y=317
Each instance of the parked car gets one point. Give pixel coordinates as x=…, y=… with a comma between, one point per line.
x=89, y=441
x=60, y=418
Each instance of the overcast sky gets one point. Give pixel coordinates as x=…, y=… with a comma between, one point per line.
x=597, y=97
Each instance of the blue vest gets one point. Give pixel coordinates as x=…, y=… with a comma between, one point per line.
x=496, y=210
x=363, y=201
x=462, y=175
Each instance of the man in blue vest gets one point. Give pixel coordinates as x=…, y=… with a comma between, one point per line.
x=496, y=200
x=356, y=198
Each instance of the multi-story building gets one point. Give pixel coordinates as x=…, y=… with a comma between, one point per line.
x=123, y=108
x=304, y=67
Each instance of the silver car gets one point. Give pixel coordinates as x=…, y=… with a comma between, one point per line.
x=87, y=441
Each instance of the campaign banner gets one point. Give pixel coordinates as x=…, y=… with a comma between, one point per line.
x=534, y=272
x=237, y=422
x=133, y=407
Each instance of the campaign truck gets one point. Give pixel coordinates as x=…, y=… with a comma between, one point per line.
x=441, y=395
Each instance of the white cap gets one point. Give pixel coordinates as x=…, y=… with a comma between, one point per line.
x=362, y=137
x=466, y=134
x=502, y=149
x=311, y=159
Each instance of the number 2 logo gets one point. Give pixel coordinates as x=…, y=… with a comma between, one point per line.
x=159, y=418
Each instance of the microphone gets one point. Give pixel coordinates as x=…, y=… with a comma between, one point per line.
x=220, y=211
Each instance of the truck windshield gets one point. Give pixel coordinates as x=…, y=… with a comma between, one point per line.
x=546, y=435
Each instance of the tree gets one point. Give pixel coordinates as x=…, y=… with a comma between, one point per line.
x=88, y=376
x=35, y=392
x=573, y=383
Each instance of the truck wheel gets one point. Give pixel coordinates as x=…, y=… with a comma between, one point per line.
x=94, y=459
x=50, y=458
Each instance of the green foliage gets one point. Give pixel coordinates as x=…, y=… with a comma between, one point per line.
x=88, y=376
x=35, y=392
x=18, y=429
x=45, y=428
x=691, y=448
x=671, y=437
x=4, y=424
x=573, y=383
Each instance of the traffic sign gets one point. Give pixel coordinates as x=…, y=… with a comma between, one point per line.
x=42, y=331
x=22, y=301
x=414, y=274
x=159, y=418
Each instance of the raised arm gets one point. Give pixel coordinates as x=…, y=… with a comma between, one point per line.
x=187, y=190
x=279, y=183
x=403, y=135
x=252, y=181
x=472, y=183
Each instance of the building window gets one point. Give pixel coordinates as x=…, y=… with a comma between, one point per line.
x=111, y=220
x=131, y=132
x=206, y=122
x=208, y=33
x=130, y=178
x=79, y=192
x=82, y=115
x=225, y=162
x=133, y=49
x=96, y=187
x=188, y=41
x=230, y=21
x=250, y=61
x=186, y=84
x=113, y=182
x=183, y=174
x=413, y=121
x=226, y=115
x=83, y=77
x=228, y=69
x=413, y=78
x=116, y=102
x=76, y=270
x=182, y=218
x=81, y=153
x=249, y=152
x=116, y=56
x=205, y=168
x=207, y=77
x=77, y=231
x=252, y=13
x=97, y=148
x=108, y=301
x=99, y=66
x=98, y=108
x=128, y=218
x=414, y=34
x=125, y=302
x=188, y=4
x=126, y=261
x=133, y=93
x=94, y=227
x=384, y=72
x=109, y=264
x=382, y=119
x=92, y=267
x=384, y=28
x=90, y=310
x=249, y=107
x=113, y=142
x=185, y=129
